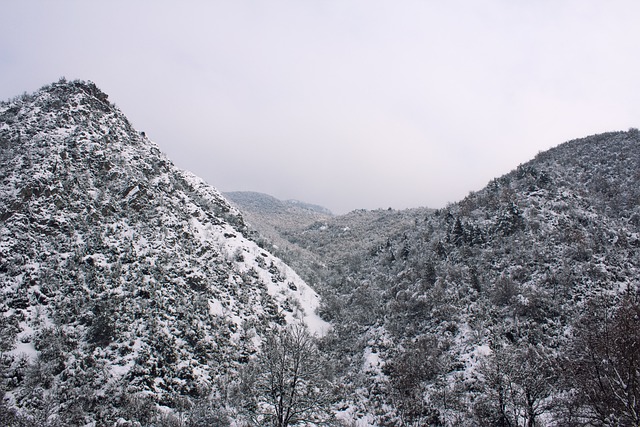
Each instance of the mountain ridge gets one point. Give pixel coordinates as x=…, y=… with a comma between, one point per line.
x=133, y=293
x=441, y=308
x=255, y=201
x=122, y=275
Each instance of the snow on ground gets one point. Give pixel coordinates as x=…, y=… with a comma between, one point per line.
x=352, y=417
x=24, y=345
x=283, y=284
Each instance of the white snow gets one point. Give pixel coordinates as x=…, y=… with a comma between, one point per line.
x=230, y=242
x=24, y=345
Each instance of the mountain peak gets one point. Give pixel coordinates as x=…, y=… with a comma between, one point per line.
x=119, y=268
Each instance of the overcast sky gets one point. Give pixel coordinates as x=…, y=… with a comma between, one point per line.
x=348, y=104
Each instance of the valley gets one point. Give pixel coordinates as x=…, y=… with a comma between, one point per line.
x=133, y=293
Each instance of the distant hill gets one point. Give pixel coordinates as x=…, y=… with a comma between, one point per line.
x=255, y=202
x=268, y=214
x=126, y=284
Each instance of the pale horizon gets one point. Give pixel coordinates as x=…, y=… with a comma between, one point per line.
x=344, y=104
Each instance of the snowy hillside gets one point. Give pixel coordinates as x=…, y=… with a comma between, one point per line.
x=133, y=294
x=271, y=218
x=515, y=306
x=121, y=275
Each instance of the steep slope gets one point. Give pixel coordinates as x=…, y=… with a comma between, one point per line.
x=271, y=218
x=121, y=275
x=474, y=314
x=311, y=239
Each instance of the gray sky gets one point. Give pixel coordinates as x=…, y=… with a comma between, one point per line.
x=348, y=104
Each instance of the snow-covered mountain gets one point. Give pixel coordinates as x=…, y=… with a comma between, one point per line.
x=130, y=289
x=121, y=275
x=276, y=221
x=518, y=305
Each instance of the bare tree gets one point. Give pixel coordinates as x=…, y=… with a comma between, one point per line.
x=519, y=383
x=290, y=383
x=409, y=374
x=604, y=364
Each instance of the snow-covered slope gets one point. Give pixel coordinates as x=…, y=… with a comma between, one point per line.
x=472, y=314
x=119, y=273
x=272, y=218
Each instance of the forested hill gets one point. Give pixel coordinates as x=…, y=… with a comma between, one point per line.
x=270, y=207
x=132, y=293
x=129, y=291
x=519, y=305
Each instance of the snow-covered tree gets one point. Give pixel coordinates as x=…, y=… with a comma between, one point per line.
x=290, y=383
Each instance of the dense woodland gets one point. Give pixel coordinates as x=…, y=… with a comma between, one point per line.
x=516, y=306
x=134, y=294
